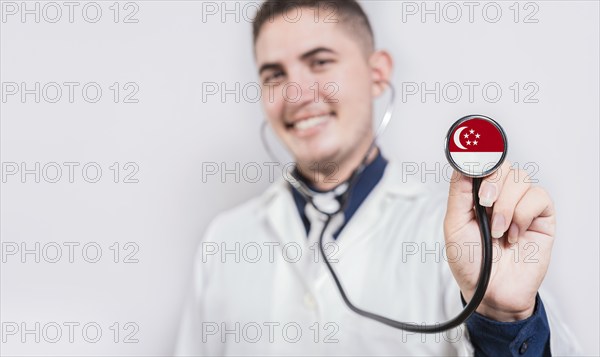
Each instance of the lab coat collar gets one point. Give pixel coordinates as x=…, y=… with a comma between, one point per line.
x=280, y=212
x=365, y=182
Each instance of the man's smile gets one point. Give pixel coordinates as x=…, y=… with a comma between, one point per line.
x=309, y=124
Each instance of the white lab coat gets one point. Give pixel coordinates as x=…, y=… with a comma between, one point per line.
x=271, y=294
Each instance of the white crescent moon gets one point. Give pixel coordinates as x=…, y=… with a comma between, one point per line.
x=457, y=138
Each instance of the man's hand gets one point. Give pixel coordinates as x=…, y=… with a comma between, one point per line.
x=523, y=225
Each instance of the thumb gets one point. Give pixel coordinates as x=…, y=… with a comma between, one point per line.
x=460, y=203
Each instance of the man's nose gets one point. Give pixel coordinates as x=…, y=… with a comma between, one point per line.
x=301, y=88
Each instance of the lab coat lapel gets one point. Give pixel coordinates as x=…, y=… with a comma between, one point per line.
x=282, y=216
x=364, y=221
x=283, y=219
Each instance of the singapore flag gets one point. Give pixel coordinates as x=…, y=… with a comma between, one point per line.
x=476, y=146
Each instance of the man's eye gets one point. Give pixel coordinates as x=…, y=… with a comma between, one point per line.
x=273, y=76
x=321, y=62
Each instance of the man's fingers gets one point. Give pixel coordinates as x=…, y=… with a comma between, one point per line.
x=535, y=205
x=460, y=198
x=461, y=191
x=460, y=202
x=506, y=202
x=492, y=185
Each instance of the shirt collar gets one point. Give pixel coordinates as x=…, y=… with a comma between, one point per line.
x=366, y=181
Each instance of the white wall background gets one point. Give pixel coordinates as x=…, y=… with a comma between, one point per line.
x=169, y=53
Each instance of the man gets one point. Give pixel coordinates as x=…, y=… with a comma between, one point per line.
x=276, y=302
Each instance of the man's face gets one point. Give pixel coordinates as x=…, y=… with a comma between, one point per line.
x=317, y=87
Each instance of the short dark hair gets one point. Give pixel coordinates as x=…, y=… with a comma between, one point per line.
x=349, y=13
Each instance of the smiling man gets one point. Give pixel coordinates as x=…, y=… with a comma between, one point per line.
x=333, y=60
x=260, y=286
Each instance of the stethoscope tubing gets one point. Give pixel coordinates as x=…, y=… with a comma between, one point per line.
x=482, y=283
x=481, y=216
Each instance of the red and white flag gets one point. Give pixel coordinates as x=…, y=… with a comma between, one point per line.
x=476, y=146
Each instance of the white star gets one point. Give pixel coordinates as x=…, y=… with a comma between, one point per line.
x=475, y=142
x=466, y=136
x=471, y=131
x=468, y=142
x=477, y=136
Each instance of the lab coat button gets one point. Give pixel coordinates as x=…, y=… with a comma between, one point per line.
x=309, y=301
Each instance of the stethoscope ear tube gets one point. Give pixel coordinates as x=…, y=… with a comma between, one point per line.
x=454, y=152
x=482, y=283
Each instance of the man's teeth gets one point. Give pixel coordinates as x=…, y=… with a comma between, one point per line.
x=310, y=122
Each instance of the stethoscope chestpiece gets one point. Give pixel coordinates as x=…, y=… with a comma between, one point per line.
x=476, y=146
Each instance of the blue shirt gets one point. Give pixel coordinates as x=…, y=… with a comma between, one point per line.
x=365, y=182
x=529, y=337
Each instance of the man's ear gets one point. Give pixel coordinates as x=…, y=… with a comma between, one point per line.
x=381, y=64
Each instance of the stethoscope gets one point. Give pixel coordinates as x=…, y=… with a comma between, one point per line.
x=467, y=160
